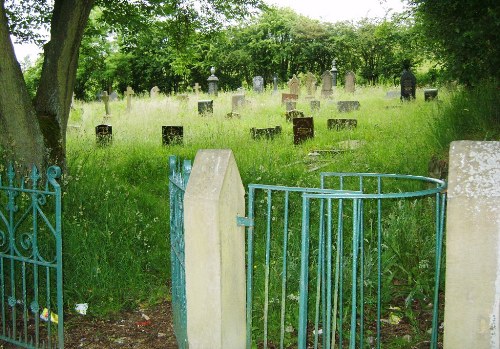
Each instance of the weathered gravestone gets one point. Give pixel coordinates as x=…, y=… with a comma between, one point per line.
x=275, y=83
x=315, y=105
x=129, y=93
x=267, y=133
x=237, y=101
x=104, y=134
x=326, y=84
x=258, y=84
x=197, y=88
x=334, y=71
x=288, y=97
x=350, y=81
x=292, y=114
x=172, y=135
x=408, y=85
x=205, y=107
x=153, y=93
x=105, y=99
x=213, y=82
x=339, y=124
x=347, y=106
x=294, y=85
x=291, y=105
x=303, y=128
x=310, y=84
x=430, y=94
x=113, y=96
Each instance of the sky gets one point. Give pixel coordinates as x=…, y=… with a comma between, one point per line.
x=325, y=10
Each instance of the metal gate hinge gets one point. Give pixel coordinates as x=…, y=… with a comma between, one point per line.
x=244, y=221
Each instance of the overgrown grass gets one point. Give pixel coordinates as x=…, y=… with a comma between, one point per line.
x=116, y=224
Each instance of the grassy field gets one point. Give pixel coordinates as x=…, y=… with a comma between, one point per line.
x=116, y=238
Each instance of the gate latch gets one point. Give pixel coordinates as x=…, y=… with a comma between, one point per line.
x=244, y=221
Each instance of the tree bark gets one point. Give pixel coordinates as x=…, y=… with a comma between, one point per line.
x=53, y=98
x=20, y=135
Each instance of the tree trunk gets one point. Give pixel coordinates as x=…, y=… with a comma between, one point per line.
x=53, y=98
x=21, y=137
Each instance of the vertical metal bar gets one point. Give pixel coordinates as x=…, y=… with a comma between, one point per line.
x=440, y=209
x=319, y=280
x=361, y=275
x=11, y=207
x=251, y=197
x=37, y=303
x=304, y=275
x=284, y=270
x=355, y=247
x=327, y=326
x=379, y=260
x=49, y=308
x=338, y=300
x=268, y=262
x=59, y=271
x=2, y=287
x=25, y=311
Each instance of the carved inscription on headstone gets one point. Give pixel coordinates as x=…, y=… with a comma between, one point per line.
x=104, y=134
x=303, y=128
x=408, y=85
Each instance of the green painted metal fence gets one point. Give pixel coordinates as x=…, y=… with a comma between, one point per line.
x=178, y=178
x=346, y=265
x=31, y=290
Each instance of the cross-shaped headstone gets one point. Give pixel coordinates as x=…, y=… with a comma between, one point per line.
x=105, y=99
x=310, y=83
x=197, y=88
x=129, y=94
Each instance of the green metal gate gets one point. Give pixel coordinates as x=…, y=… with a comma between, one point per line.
x=31, y=291
x=326, y=267
x=178, y=178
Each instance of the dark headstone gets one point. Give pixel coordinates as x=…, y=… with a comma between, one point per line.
x=258, y=84
x=315, y=105
x=408, y=85
x=205, y=107
x=172, y=134
x=292, y=114
x=267, y=133
x=339, y=124
x=104, y=134
x=347, y=106
x=288, y=97
x=290, y=105
x=303, y=128
x=430, y=94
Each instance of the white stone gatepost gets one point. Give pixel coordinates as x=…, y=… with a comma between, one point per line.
x=472, y=292
x=215, y=253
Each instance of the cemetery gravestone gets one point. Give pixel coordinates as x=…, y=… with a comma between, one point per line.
x=291, y=105
x=347, y=106
x=113, y=96
x=153, y=93
x=294, y=85
x=326, y=84
x=129, y=93
x=339, y=124
x=430, y=94
x=104, y=134
x=288, y=97
x=213, y=82
x=238, y=101
x=303, y=128
x=408, y=85
x=392, y=94
x=334, y=73
x=275, y=83
x=267, y=133
x=350, y=81
x=315, y=105
x=258, y=84
x=172, y=135
x=310, y=84
x=196, y=88
x=292, y=114
x=205, y=107
x=105, y=99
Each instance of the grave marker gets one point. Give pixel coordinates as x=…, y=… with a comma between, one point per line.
x=350, y=81
x=303, y=128
x=290, y=105
x=408, y=85
x=288, y=97
x=292, y=114
x=315, y=105
x=129, y=93
x=275, y=83
x=237, y=101
x=310, y=84
x=104, y=134
x=267, y=133
x=172, y=135
x=213, y=82
x=326, y=84
x=430, y=94
x=347, y=106
x=105, y=99
x=294, y=85
x=258, y=84
x=339, y=124
x=113, y=96
x=205, y=107
x=153, y=93
x=197, y=88
x=393, y=94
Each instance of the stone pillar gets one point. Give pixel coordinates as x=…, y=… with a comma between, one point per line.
x=213, y=82
x=472, y=294
x=215, y=253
